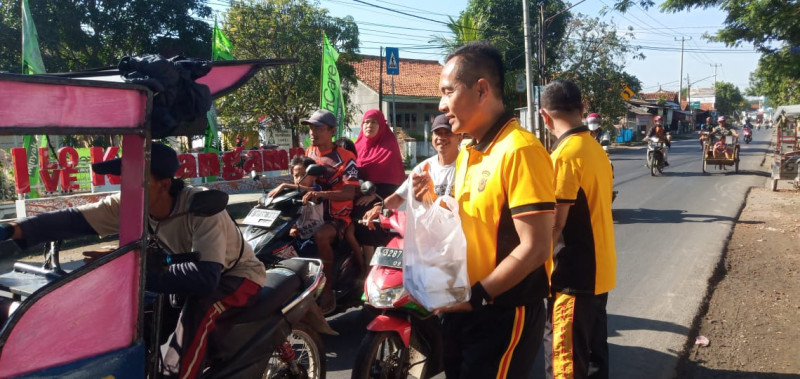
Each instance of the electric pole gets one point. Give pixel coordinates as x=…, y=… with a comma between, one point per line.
x=530, y=114
x=715, y=65
x=680, y=77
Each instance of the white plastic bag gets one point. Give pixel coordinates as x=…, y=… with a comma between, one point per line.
x=435, y=253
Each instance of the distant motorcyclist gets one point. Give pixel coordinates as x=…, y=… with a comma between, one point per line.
x=747, y=124
x=659, y=132
x=722, y=130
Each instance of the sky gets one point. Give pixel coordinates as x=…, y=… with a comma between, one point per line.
x=659, y=35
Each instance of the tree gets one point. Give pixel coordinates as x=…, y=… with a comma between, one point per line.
x=778, y=78
x=500, y=23
x=594, y=56
x=467, y=28
x=81, y=34
x=772, y=27
x=284, y=29
x=729, y=99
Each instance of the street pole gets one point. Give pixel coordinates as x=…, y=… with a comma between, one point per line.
x=689, y=101
x=715, y=65
x=380, y=82
x=530, y=114
x=680, y=77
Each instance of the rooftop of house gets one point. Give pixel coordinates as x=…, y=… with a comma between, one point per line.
x=666, y=95
x=417, y=77
x=703, y=106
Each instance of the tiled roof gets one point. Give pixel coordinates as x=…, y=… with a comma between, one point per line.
x=703, y=106
x=417, y=77
x=667, y=95
x=707, y=107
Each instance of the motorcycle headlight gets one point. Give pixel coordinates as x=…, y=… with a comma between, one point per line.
x=383, y=298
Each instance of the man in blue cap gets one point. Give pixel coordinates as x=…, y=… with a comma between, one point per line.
x=227, y=275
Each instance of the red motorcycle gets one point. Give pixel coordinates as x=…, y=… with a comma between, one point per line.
x=404, y=338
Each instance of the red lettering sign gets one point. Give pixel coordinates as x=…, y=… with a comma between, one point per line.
x=68, y=179
x=188, y=167
x=50, y=179
x=68, y=157
x=19, y=159
x=254, y=161
x=295, y=151
x=283, y=159
x=44, y=160
x=208, y=164
x=231, y=165
x=98, y=155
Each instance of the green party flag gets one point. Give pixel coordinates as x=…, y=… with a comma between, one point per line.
x=31, y=64
x=330, y=96
x=221, y=50
x=221, y=47
x=31, y=57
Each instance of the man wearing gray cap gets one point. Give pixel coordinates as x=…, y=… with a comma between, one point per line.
x=339, y=185
x=441, y=168
x=227, y=275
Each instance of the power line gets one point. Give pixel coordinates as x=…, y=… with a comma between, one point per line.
x=401, y=12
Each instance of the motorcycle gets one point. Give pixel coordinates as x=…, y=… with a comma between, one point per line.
x=655, y=156
x=605, y=142
x=404, y=338
x=267, y=232
x=748, y=135
x=275, y=337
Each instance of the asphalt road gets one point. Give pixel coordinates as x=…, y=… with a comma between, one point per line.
x=670, y=233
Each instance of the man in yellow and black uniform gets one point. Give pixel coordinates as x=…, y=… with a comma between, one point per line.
x=584, y=256
x=504, y=187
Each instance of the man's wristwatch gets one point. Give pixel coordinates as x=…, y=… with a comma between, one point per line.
x=479, y=297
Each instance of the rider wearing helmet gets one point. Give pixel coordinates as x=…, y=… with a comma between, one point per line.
x=593, y=122
x=659, y=132
x=722, y=130
x=596, y=130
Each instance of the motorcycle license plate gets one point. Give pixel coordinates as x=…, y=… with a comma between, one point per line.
x=385, y=256
x=261, y=217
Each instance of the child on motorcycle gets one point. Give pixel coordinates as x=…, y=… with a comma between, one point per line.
x=311, y=214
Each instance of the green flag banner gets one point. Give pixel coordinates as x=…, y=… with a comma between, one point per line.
x=31, y=57
x=221, y=50
x=221, y=47
x=330, y=97
x=31, y=64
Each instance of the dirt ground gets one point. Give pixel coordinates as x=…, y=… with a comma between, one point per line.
x=752, y=319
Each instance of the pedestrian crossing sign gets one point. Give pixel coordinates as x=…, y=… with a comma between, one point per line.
x=392, y=61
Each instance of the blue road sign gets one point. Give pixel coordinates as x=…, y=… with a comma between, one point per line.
x=392, y=61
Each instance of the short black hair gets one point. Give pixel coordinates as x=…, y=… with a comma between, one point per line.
x=302, y=160
x=479, y=59
x=348, y=144
x=562, y=96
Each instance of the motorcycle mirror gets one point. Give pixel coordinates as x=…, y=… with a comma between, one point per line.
x=255, y=176
x=315, y=170
x=207, y=203
x=367, y=188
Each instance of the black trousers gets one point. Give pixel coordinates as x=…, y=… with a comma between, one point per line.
x=493, y=342
x=576, y=337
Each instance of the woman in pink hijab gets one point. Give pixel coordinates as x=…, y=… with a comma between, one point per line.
x=380, y=162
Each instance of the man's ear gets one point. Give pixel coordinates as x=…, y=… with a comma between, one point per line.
x=483, y=88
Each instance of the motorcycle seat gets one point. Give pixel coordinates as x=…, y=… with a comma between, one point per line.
x=284, y=281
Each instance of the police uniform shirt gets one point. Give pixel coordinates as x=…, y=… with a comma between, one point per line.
x=584, y=260
x=509, y=174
